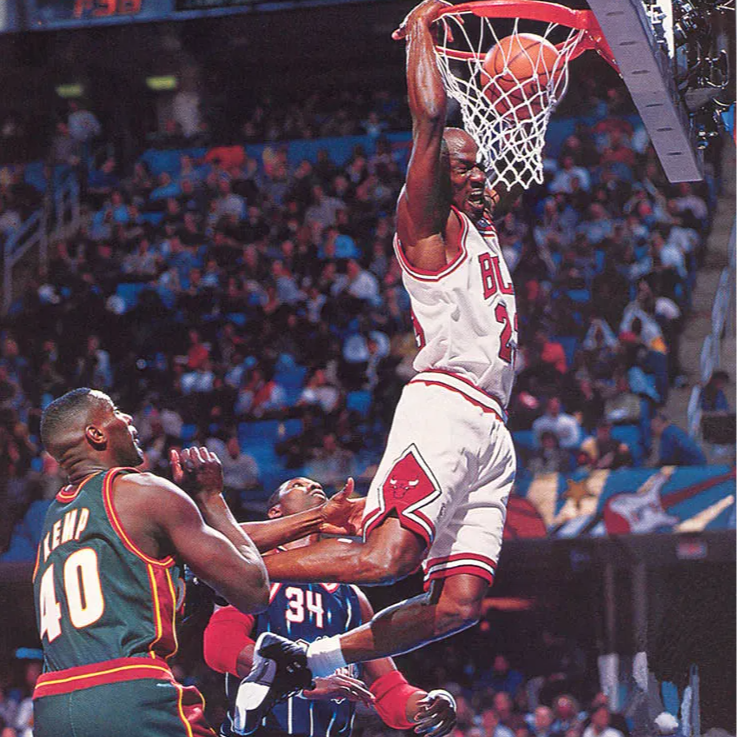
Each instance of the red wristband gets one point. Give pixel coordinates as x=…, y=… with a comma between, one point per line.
x=226, y=634
x=392, y=693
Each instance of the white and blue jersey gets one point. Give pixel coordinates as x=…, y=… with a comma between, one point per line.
x=305, y=612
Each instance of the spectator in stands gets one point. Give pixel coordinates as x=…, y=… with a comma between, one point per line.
x=492, y=725
x=84, y=127
x=102, y=181
x=240, y=470
x=320, y=392
x=505, y=708
x=549, y=457
x=330, y=463
x=229, y=204
x=564, y=427
x=542, y=722
x=501, y=677
x=677, y=447
x=94, y=367
x=567, y=175
x=603, y=451
x=65, y=149
x=713, y=397
x=323, y=209
x=566, y=711
x=616, y=720
x=600, y=727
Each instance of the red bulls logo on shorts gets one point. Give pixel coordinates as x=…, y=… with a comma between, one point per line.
x=407, y=482
x=410, y=489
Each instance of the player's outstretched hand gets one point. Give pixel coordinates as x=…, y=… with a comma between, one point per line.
x=437, y=715
x=340, y=686
x=341, y=515
x=197, y=471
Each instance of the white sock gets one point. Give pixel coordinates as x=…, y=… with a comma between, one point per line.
x=324, y=656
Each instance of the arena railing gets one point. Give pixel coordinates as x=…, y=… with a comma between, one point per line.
x=711, y=349
x=32, y=233
x=56, y=219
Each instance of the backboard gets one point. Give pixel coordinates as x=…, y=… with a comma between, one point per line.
x=674, y=59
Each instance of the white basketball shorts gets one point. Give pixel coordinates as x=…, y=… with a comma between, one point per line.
x=446, y=474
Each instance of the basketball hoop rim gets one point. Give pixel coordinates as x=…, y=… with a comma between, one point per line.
x=535, y=10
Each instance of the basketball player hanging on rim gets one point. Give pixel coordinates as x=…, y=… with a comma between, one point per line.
x=440, y=493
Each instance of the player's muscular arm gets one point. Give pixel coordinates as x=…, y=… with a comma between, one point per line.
x=339, y=515
x=424, y=203
x=174, y=524
x=390, y=553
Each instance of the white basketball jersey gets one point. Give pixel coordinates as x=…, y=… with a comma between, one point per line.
x=465, y=316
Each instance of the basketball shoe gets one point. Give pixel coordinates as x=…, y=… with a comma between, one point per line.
x=279, y=671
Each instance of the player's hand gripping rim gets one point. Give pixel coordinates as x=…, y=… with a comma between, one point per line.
x=197, y=471
x=426, y=12
x=437, y=715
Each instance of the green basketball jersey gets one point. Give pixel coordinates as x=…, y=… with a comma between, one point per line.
x=98, y=597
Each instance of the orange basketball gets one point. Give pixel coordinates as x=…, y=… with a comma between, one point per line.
x=519, y=69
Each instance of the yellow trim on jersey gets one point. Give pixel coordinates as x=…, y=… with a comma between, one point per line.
x=180, y=707
x=157, y=609
x=160, y=668
x=118, y=527
x=173, y=614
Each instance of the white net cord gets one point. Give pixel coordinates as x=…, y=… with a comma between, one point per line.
x=507, y=117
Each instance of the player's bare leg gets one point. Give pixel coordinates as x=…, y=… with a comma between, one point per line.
x=390, y=553
x=451, y=605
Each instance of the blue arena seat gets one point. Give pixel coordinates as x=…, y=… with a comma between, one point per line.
x=524, y=439
x=292, y=379
x=570, y=346
x=188, y=432
x=259, y=432
x=580, y=296
x=359, y=401
x=129, y=292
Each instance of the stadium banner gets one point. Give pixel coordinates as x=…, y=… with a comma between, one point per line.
x=627, y=501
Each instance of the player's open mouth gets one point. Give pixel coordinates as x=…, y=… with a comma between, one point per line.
x=476, y=197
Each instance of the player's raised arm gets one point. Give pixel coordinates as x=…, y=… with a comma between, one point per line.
x=424, y=203
x=340, y=515
x=204, y=532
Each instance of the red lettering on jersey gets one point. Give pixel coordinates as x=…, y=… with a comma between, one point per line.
x=488, y=275
x=504, y=288
x=419, y=332
x=491, y=276
x=406, y=483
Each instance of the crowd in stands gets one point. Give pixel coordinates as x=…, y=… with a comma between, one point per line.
x=233, y=289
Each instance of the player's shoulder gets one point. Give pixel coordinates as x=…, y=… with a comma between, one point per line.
x=146, y=483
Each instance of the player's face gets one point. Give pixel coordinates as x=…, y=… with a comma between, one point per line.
x=467, y=177
x=121, y=433
x=301, y=494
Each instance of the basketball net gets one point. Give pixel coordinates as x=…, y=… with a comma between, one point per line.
x=507, y=118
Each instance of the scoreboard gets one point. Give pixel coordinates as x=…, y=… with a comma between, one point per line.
x=43, y=15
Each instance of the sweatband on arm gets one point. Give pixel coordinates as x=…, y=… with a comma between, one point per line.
x=226, y=634
x=392, y=693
